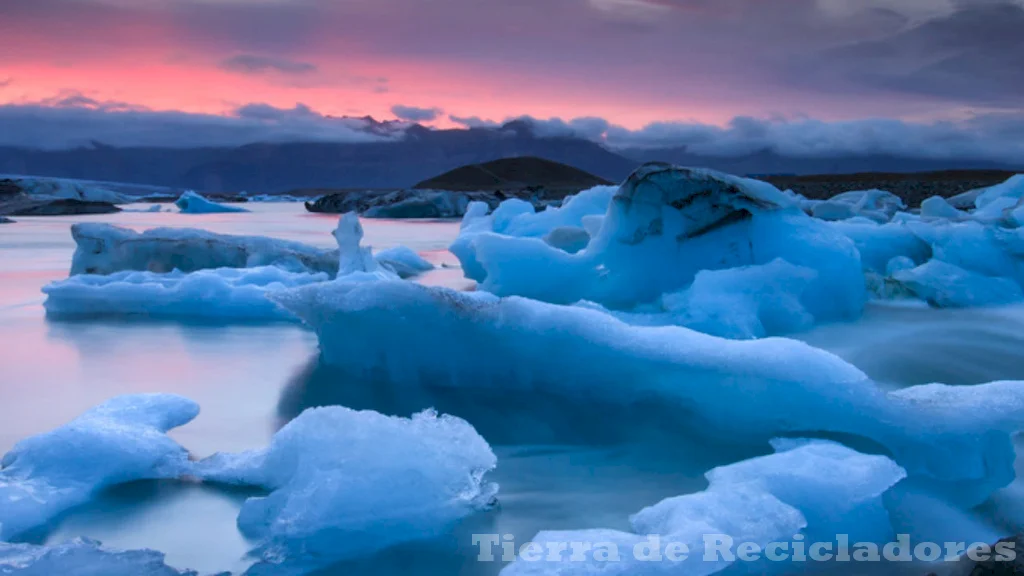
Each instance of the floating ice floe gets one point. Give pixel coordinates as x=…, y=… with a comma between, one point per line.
x=83, y=557
x=193, y=203
x=59, y=188
x=988, y=250
x=878, y=244
x=748, y=390
x=227, y=280
x=107, y=249
x=938, y=208
x=219, y=293
x=807, y=489
x=275, y=198
x=662, y=227
x=121, y=440
x=741, y=303
x=404, y=261
x=345, y=483
x=877, y=205
x=947, y=286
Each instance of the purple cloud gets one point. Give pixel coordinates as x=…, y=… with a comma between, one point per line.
x=414, y=114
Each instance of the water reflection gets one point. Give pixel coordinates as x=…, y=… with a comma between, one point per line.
x=193, y=524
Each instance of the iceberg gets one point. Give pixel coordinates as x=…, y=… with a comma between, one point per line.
x=947, y=286
x=806, y=489
x=876, y=205
x=664, y=225
x=745, y=302
x=82, y=557
x=107, y=249
x=345, y=483
x=747, y=390
x=937, y=208
x=219, y=293
x=568, y=227
x=878, y=244
x=419, y=204
x=121, y=440
x=403, y=261
x=275, y=198
x=64, y=189
x=1012, y=189
x=193, y=203
x=987, y=250
x=353, y=257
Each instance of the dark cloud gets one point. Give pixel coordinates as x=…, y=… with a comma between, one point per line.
x=996, y=137
x=473, y=122
x=72, y=120
x=414, y=114
x=973, y=55
x=253, y=64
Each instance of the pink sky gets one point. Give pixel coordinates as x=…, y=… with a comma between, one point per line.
x=631, y=62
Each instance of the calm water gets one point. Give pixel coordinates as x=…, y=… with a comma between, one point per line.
x=250, y=379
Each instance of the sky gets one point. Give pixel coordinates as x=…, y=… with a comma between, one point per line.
x=643, y=72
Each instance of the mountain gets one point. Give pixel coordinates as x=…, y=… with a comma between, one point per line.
x=397, y=163
x=765, y=162
x=515, y=174
x=405, y=155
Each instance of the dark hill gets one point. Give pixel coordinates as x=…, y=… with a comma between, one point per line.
x=511, y=175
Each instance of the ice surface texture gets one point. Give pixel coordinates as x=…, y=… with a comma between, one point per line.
x=741, y=390
x=82, y=557
x=220, y=293
x=70, y=189
x=345, y=483
x=106, y=249
x=662, y=227
x=119, y=441
x=813, y=487
x=192, y=203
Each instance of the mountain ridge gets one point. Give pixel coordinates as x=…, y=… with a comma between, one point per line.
x=400, y=162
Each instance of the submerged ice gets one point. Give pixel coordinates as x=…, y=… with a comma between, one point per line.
x=82, y=557
x=814, y=488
